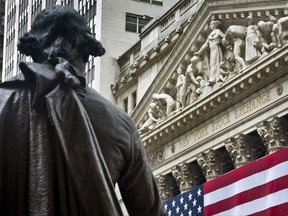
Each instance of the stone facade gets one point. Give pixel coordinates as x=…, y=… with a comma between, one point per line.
x=219, y=99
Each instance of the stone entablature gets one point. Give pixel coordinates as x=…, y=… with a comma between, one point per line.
x=228, y=128
x=256, y=76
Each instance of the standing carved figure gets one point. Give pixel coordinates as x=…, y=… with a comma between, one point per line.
x=181, y=87
x=195, y=79
x=213, y=44
x=72, y=145
x=252, y=42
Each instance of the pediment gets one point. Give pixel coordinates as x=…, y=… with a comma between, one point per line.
x=234, y=82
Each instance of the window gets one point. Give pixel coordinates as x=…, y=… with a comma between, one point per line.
x=125, y=105
x=134, y=99
x=2, y=19
x=134, y=23
x=156, y=2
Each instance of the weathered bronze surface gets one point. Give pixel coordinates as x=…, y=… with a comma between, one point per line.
x=63, y=147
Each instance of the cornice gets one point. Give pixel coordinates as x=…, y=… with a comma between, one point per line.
x=132, y=77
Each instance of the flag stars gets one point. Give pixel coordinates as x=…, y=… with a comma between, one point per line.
x=190, y=196
x=199, y=192
x=166, y=206
x=190, y=212
x=177, y=209
x=199, y=209
x=181, y=200
x=185, y=206
x=194, y=202
x=173, y=203
x=169, y=212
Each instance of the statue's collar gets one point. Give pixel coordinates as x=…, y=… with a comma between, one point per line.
x=42, y=79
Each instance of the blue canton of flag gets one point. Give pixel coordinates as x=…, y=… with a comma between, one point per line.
x=189, y=203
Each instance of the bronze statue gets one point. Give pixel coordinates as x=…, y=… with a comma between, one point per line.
x=63, y=147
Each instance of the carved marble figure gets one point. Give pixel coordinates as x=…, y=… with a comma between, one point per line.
x=267, y=37
x=155, y=115
x=63, y=147
x=252, y=42
x=280, y=29
x=165, y=102
x=213, y=44
x=181, y=87
x=235, y=35
x=194, y=76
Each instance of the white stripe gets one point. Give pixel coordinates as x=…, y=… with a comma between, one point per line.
x=247, y=183
x=258, y=205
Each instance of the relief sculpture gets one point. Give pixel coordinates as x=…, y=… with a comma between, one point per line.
x=213, y=45
x=221, y=57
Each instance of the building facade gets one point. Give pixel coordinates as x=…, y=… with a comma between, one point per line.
x=2, y=13
x=117, y=28
x=208, y=89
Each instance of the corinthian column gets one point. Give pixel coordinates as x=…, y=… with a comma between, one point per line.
x=240, y=150
x=273, y=134
x=210, y=164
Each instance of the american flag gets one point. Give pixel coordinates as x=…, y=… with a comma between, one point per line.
x=258, y=188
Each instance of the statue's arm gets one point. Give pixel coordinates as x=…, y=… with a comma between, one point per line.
x=137, y=184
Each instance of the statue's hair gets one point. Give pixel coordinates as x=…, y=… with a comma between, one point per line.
x=216, y=22
x=60, y=21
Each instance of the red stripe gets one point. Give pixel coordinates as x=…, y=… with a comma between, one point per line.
x=247, y=196
x=280, y=210
x=247, y=170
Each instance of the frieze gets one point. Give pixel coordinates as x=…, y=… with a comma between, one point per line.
x=235, y=115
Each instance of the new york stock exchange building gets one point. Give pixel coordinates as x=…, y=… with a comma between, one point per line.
x=207, y=86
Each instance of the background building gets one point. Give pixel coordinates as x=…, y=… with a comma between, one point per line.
x=117, y=27
x=2, y=19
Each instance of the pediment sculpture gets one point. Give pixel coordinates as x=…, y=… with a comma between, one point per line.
x=225, y=53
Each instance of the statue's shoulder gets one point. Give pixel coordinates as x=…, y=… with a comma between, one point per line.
x=104, y=109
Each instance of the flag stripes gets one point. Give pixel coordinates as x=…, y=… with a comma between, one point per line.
x=259, y=188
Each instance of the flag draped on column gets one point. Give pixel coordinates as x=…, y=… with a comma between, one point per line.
x=258, y=188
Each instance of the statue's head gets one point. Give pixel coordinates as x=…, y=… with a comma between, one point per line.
x=214, y=24
x=60, y=31
x=250, y=20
